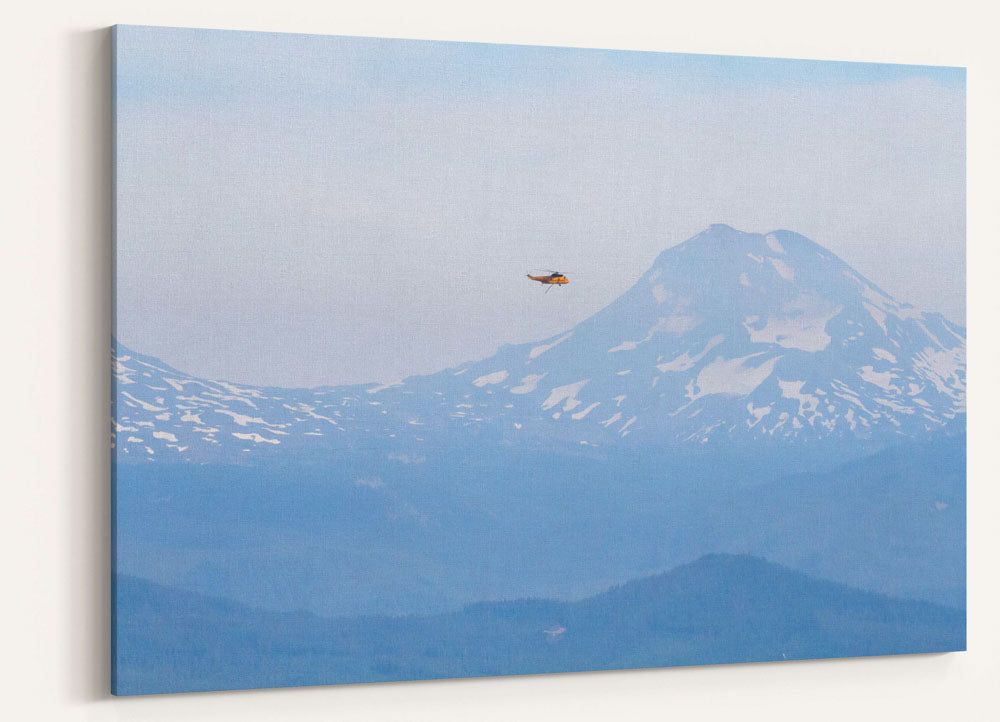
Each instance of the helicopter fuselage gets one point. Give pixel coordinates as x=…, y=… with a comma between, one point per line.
x=555, y=279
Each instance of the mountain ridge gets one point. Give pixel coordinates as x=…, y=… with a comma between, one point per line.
x=718, y=608
x=729, y=338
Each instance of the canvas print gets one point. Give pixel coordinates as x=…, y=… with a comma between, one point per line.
x=439, y=359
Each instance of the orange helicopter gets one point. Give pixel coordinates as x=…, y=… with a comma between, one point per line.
x=553, y=279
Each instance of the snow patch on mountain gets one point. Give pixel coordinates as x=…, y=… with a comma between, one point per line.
x=686, y=361
x=256, y=438
x=731, y=377
x=142, y=404
x=242, y=419
x=625, y=346
x=677, y=325
x=580, y=414
x=528, y=384
x=943, y=368
x=757, y=414
x=808, y=403
x=391, y=384
x=539, y=350
x=882, y=379
x=879, y=315
x=783, y=269
x=497, y=377
x=802, y=325
x=565, y=393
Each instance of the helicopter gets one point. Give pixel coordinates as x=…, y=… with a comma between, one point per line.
x=553, y=279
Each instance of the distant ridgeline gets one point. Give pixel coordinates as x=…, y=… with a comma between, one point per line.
x=732, y=339
x=718, y=609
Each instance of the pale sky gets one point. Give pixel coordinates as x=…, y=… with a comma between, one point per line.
x=300, y=210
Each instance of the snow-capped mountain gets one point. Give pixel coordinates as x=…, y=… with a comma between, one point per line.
x=729, y=337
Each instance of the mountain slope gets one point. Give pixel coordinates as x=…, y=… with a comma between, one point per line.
x=720, y=608
x=731, y=338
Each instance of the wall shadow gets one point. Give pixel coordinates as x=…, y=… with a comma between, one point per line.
x=87, y=138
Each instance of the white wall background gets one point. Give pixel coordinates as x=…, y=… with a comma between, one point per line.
x=54, y=290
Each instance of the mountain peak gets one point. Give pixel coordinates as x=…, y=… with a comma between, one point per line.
x=721, y=229
x=720, y=238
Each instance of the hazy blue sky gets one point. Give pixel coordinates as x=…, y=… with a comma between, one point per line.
x=305, y=210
